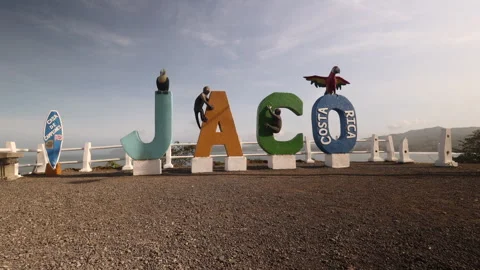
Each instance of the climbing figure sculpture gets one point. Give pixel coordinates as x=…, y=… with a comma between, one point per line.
x=331, y=83
x=198, y=106
x=277, y=120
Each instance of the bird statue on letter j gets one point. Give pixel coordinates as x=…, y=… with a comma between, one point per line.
x=331, y=83
x=163, y=82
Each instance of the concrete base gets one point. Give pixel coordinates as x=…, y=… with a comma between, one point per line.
x=49, y=171
x=202, y=164
x=282, y=162
x=337, y=160
x=9, y=165
x=147, y=167
x=391, y=158
x=235, y=164
x=440, y=163
x=375, y=159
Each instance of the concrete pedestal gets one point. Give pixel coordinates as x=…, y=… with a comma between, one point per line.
x=202, y=164
x=404, y=152
x=49, y=171
x=390, y=150
x=235, y=164
x=282, y=162
x=337, y=160
x=445, y=158
x=8, y=169
x=375, y=150
x=147, y=167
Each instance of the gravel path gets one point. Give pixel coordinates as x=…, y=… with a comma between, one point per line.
x=368, y=216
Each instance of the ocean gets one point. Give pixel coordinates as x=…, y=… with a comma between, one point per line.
x=30, y=158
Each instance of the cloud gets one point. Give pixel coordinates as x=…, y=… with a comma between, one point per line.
x=212, y=40
x=338, y=19
x=81, y=28
x=465, y=38
x=124, y=5
x=404, y=124
x=208, y=39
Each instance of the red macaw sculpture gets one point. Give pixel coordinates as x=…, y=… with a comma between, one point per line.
x=332, y=82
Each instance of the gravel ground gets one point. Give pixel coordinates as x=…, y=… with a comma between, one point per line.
x=368, y=216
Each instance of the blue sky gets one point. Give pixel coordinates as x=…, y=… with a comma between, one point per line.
x=411, y=64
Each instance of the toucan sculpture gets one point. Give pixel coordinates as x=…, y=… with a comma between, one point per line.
x=331, y=83
x=163, y=82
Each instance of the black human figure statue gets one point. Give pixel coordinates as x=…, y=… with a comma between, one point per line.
x=198, y=106
x=163, y=82
x=277, y=120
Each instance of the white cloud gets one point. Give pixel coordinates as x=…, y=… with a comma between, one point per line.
x=124, y=5
x=402, y=125
x=207, y=38
x=85, y=29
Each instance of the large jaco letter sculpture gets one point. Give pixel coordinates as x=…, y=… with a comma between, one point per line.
x=146, y=156
x=337, y=151
x=221, y=116
x=282, y=153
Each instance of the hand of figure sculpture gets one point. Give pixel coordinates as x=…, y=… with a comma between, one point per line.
x=277, y=120
x=331, y=83
x=198, y=105
x=163, y=82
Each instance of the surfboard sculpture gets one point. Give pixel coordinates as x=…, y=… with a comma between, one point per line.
x=53, y=137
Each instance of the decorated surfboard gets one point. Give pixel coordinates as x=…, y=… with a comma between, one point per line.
x=53, y=137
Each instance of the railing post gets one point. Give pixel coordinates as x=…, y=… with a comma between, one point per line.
x=168, y=158
x=308, y=151
x=42, y=158
x=128, y=163
x=445, y=158
x=13, y=148
x=374, y=150
x=87, y=157
x=404, y=153
x=390, y=149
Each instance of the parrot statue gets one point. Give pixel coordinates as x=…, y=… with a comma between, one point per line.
x=331, y=83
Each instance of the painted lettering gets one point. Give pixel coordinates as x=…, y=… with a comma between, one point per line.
x=326, y=142
x=349, y=113
x=323, y=110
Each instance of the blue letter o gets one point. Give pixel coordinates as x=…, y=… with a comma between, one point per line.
x=348, y=124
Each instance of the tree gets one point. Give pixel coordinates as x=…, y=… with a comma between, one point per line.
x=470, y=149
x=181, y=150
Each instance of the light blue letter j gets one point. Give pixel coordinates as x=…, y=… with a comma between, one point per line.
x=138, y=150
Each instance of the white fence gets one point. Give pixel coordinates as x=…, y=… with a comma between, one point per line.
x=42, y=158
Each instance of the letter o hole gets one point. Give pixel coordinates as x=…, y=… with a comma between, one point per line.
x=325, y=128
x=334, y=124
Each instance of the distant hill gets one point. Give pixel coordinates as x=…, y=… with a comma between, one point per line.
x=424, y=140
x=420, y=140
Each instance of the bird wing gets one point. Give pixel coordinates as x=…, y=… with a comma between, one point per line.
x=341, y=81
x=319, y=81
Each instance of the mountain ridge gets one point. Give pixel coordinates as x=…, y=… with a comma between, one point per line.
x=423, y=140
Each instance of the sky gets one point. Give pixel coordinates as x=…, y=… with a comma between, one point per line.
x=410, y=64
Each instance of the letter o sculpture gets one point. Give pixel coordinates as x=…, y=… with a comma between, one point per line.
x=348, y=124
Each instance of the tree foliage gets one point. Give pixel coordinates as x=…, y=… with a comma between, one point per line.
x=181, y=150
x=470, y=149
